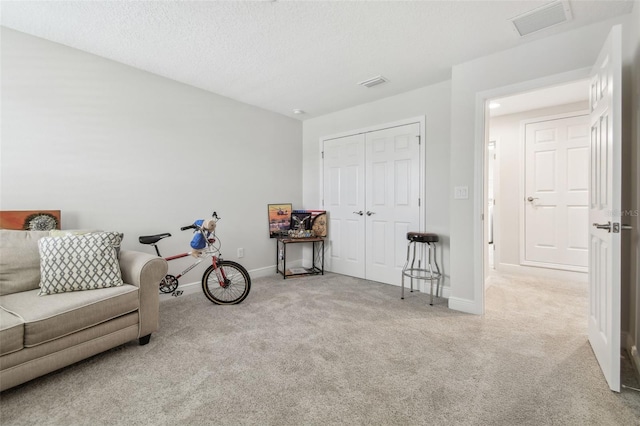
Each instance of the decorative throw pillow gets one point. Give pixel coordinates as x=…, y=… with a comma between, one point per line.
x=79, y=262
x=65, y=232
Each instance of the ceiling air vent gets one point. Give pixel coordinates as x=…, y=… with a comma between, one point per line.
x=543, y=17
x=373, y=81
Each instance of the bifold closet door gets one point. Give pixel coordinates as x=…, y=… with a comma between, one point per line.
x=344, y=188
x=371, y=192
x=392, y=194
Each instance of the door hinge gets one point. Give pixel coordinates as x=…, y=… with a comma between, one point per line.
x=419, y=139
x=481, y=216
x=419, y=202
x=322, y=155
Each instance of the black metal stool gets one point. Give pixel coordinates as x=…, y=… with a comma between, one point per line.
x=420, y=273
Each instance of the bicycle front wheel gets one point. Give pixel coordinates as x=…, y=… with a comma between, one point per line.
x=230, y=287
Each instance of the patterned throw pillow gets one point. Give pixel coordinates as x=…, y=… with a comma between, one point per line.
x=79, y=262
x=65, y=232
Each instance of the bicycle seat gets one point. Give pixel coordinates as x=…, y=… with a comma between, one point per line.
x=152, y=239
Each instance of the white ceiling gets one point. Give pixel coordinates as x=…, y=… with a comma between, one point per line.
x=283, y=55
x=576, y=91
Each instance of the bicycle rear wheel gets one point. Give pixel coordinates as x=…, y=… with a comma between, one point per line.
x=235, y=287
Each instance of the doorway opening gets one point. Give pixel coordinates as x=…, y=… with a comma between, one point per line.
x=536, y=183
x=605, y=193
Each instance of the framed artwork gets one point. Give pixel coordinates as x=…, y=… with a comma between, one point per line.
x=30, y=220
x=301, y=220
x=310, y=220
x=319, y=223
x=279, y=219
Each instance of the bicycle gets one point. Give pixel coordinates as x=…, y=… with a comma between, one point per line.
x=224, y=282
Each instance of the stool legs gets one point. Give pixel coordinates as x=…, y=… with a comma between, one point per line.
x=435, y=263
x=433, y=276
x=427, y=273
x=404, y=268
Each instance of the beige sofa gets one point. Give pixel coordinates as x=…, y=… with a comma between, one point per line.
x=40, y=334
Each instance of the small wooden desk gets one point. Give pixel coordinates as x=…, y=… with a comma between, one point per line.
x=317, y=261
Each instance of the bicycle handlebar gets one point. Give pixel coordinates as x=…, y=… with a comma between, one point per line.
x=194, y=226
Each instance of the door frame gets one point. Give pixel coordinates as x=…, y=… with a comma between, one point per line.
x=421, y=120
x=494, y=215
x=480, y=178
x=522, y=191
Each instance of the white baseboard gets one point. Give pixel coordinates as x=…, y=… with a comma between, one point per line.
x=183, y=290
x=465, y=305
x=556, y=274
x=196, y=286
x=263, y=272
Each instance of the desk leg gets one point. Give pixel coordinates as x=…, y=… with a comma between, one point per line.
x=322, y=257
x=318, y=256
x=284, y=261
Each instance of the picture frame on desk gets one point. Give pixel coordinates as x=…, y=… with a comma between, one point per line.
x=279, y=219
x=301, y=220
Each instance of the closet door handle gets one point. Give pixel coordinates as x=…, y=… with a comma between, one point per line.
x=370, y=213
x=359, y=213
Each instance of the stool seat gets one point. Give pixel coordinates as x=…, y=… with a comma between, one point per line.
x=422, y=237
x=426, y=271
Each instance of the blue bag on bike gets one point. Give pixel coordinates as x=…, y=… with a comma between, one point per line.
x=198, y=242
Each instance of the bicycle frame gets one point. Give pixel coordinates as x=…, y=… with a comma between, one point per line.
x=190, y=267
x=234, y=282
x=209, y=250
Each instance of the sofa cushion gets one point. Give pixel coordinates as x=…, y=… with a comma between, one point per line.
x=11, y=332
x=79, y=262
x=19, y=260
x=57, y=315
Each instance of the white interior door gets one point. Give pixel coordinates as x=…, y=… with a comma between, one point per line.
x=392, y=199
x=371, y=190
x=604, y=209
x=557, y=193
x=344, y=192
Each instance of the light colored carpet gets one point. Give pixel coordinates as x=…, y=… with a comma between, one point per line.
x=337, y=350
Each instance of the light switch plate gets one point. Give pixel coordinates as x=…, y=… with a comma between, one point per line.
x=461, y=193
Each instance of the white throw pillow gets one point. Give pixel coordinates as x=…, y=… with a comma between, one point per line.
x=79, y=262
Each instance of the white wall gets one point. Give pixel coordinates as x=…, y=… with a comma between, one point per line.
x=432, y=102
x=117, y=148
x=506, y=130
x=532, y=63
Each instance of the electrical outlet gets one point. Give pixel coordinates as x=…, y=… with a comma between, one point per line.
x=461, y=193
x=240, y=253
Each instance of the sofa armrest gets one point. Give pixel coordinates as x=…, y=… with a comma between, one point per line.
x=145, y=271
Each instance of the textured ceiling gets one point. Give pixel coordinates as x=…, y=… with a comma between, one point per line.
x=292, y=54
